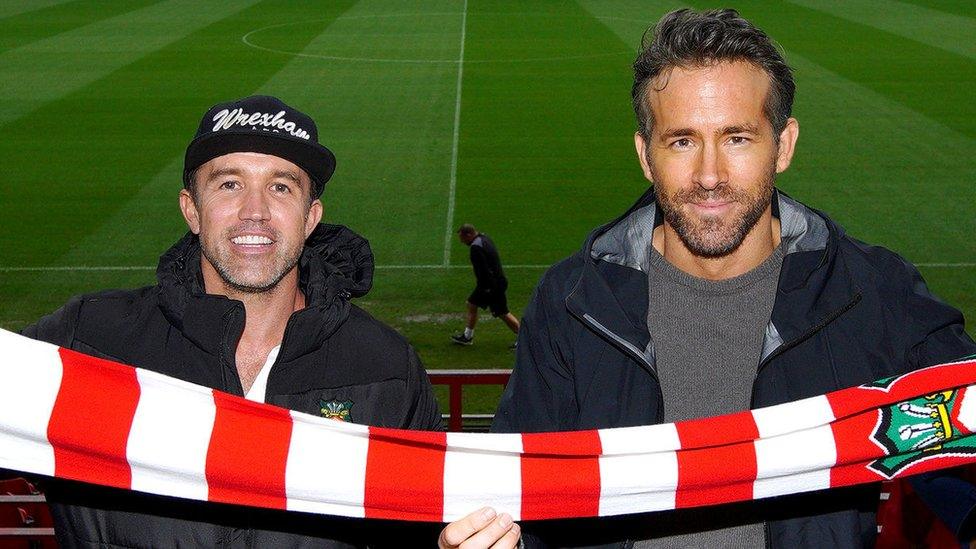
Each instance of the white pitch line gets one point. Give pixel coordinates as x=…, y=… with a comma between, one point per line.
x=77, y=268
x=449, y=228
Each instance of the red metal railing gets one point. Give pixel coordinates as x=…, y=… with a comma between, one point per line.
x=456, y=380
x=25, y=520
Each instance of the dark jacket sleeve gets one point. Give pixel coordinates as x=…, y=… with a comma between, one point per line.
x=938, y=329
x=539, y=396
x=482, y=269
x=58, y=327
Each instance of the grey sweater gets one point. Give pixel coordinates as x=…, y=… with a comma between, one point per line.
x=707, y=341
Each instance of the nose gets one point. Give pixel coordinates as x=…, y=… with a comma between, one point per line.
x=254, y=206
x=712, y=169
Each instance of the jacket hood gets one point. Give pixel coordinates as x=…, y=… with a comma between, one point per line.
x=336, y=265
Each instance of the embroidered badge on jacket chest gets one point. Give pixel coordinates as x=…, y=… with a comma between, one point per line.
x=335, y=409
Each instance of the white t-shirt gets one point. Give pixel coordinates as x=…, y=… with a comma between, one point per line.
x=260, y=385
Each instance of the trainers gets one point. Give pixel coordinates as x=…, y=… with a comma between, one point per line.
x=460, y=339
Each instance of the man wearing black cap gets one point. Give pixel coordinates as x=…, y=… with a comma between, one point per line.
x=253, y=301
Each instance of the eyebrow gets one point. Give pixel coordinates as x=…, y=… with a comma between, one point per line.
x=726, y=130
x=221, y=172
x=285, y=174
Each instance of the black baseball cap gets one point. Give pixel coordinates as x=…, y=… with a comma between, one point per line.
x=261, y=124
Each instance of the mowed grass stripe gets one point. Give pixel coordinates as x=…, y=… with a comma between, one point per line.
x=87, y=154
x=953, y=33
x=931, y=81
x=628, y=19
x=24, y=28
x=10, y=8
x=389, y=124
x=546, y=146
x=966, y=8
x=51, y=69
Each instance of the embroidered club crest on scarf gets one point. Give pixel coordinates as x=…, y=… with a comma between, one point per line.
x=920, y=429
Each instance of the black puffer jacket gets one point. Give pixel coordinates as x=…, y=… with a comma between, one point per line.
x=331, y=351
x=845, y=313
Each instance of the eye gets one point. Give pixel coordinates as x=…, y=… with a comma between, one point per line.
x=738, y=140
x=682, y=143
x=281, y=188
x=229, y=184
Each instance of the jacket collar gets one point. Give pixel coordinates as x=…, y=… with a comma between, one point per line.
x=608, y=296
x=336, y=265
x=626, y=240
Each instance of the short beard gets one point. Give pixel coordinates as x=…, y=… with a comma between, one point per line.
x=283, y=265
x=710, y=237
x=229, y=279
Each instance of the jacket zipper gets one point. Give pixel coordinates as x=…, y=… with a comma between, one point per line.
x=284, y=338
x=230, y=360
x=782, y=349
x=635, y=353
x=800, y=339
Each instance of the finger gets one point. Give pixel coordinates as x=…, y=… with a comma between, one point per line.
x=509, y=540
x=456, y=532
x=490, y=534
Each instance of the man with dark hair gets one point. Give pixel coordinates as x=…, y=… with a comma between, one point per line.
x=253, y=301
x=490, y=285
x=716, y=293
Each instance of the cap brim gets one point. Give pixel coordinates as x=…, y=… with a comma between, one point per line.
x=317, y=161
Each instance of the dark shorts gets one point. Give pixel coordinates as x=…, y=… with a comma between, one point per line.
x=494, y=300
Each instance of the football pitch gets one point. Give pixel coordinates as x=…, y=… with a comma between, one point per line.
x=513, y=116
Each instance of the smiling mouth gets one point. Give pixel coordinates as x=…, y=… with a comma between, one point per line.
x=251, y=240
x=711, y=205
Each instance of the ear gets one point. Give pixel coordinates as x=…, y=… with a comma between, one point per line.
x=641, y=146
x=190, y=212
x=315, y=212
x=787, y=143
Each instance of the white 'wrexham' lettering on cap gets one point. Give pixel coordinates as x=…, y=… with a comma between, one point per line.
x=482, y=468
x=793, y=416
x=227, y=118
x=32, y=372
x=326, y=469
x=794, y=462
x=173, y=419
x=640, y=469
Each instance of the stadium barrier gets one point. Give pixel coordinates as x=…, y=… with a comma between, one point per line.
x=456, y=380
x=25, y=520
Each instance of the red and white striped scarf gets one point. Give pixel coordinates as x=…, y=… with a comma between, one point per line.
x=69, y=415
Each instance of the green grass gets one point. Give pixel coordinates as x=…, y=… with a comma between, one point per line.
x=100, y=99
